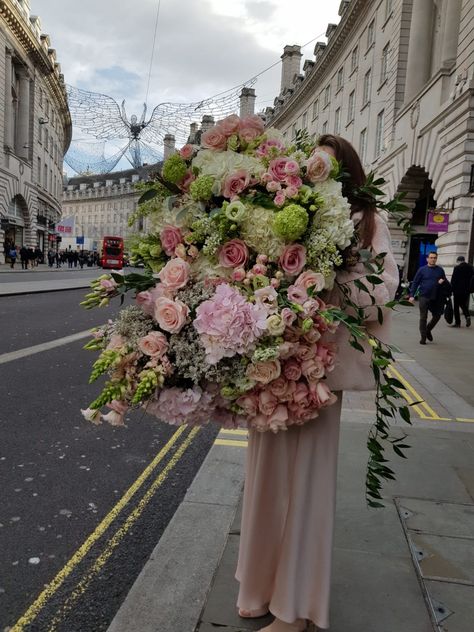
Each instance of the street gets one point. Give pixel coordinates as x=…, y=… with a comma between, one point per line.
x=82, y=506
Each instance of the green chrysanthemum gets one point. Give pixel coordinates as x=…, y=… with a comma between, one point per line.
x=174, y=169
x=291, y=222
x=201, y=188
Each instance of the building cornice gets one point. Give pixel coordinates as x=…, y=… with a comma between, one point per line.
x=41, y=59
x=351, y=16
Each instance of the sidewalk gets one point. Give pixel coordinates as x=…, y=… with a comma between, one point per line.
x=26, y=283
x=406, y=568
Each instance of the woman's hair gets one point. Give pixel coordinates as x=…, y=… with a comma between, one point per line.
x=355, y=178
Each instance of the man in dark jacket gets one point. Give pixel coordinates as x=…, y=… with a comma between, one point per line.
x=425, y=285
x=462, y=284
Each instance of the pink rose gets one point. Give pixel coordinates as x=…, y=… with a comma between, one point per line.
x=327, y=354
x=250, y=127
x=187, y=181
x=287, y=349
x=233, y=254
x=175, y=274
x=282, y=389
x=313, y=369
x=293, y=259
x=300, y=395
x=278, y=419
x=264, y=372
x=273, y=186
x=310, y=279
x=292, y=369
x=293, y=181
x=312, y=336
x=153, y=344
x=170, y=237
x=267, y=402
x=249, y=404
x=108, y=284
x=235, y=183
x=321, y=395
x=292, y=334
x=292, y=168
x=238, y=275
x=291, y=192
x=306, y=352
x=229, y=125
x=271, y=146
x=186, y=151
x=277, y=168
x=279, y=198
x=318, y=166
x=170, y=315
x=297, y=294
x=145, y=300
x=214, y=139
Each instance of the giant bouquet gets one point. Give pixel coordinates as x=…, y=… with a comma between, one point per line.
x=230, y=323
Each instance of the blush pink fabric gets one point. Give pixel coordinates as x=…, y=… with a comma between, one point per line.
x=290, y=488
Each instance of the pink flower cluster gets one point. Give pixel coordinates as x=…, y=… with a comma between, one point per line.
x=228, y=323
x=246, y=129
x=283, y=177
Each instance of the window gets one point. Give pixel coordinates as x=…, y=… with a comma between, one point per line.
x=325, y=127
x=41, y=97
x=45, y=176
x=327, y=95
x=363, y=145
x=354, y=58
x=340, y=78
x=371, y=34
x=337, y=121
x=38, y=179
x=46, y=138
x=379, y=145
x=47, y=108
x=40, y=133
x=315, y=109
x=305, y=120
x=388, y=8
x=384, y=71
x=293, y=131
x=351, y=107
x=367, y=87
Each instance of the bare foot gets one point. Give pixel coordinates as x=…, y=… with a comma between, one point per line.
x=253, y=614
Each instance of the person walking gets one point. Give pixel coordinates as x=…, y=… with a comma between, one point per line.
x=24, y=258
x=285, y=553
x=462, y=282
x=12, y=254
x=425, y=285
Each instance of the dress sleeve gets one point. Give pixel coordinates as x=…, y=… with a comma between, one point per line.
x=383, y=292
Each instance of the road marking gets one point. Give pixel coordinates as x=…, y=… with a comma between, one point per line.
x=418, y=398
x=82, y=551
x=44, y=346
x=238, y=444
x=116, y=539
x=243, y=433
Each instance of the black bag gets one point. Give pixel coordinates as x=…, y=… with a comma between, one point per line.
x=448, y=311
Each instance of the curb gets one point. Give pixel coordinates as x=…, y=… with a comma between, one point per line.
x=43, y=291
x=171, y=590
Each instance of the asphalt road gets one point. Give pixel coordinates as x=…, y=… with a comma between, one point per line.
x=82, y=506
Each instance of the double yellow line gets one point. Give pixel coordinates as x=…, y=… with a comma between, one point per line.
x=235, y=443
x=34, y=610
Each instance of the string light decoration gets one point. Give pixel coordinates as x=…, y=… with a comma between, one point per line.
x=139, y=139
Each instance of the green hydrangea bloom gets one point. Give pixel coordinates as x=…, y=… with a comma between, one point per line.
x=174, y=169
x=291, y=222
x=201, y=188
x=335, y=168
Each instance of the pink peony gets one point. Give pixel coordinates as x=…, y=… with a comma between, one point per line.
x=318, y=166
x=228, y=323
x=235, y=183
x=214, y=139
x=153, y=344
x=170, y=315
x=229, y=125
x=293, y=259
x=175, y=274
x=264, y=372
x=233, y=254
x=292, y=369
x=250, y=127
x=170, y=237
x=178, y=406
x=186, y=151
x=310, y=279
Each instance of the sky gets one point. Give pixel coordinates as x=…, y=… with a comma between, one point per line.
x=203, y=47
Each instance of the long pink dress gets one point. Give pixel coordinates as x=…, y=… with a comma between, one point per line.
x=290, y=490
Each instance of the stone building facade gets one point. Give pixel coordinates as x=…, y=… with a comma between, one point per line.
x=396, y=78
x=35, y=130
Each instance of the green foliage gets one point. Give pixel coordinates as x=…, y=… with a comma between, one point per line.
x=112, y=390
x=372, y=191
x=146, y=386
x=106, y=359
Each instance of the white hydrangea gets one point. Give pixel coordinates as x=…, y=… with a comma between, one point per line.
x=220, y=164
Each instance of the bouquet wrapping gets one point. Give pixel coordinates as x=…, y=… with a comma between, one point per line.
x=230, y=323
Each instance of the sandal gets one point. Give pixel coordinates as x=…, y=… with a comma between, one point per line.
x=253, y=614
x=281, y=626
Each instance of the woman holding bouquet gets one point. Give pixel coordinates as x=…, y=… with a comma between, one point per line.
x=289, y=500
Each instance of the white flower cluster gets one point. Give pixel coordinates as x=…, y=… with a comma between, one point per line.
x=220, y=164
x=334, y=214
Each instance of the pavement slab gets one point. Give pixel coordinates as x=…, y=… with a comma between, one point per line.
x=453, y=605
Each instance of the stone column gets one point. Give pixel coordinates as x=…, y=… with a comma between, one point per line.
x=9, y=127
x=169, y=143
x=247, y=102
x=207, y=122
x=452, y=17
x=193, y=128
x=419, y=48
x=291, y=60
x=24, y=144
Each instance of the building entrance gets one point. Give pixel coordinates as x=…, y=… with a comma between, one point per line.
x=420, y=247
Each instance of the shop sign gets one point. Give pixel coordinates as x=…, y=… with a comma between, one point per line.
x=438, y=222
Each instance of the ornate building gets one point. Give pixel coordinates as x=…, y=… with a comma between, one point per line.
x=396, y=78
x=35, y=130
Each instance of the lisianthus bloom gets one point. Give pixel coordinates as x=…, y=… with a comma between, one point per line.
x=117, y=412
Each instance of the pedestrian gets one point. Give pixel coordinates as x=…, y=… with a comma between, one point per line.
x=75, y=258
x=31, y=258
x=12, y=254
x=38, y=255
x=51, y=257
x=425, y=285
x=24, y=258
x=286, y=539
x=462, y=283
x=57, y=258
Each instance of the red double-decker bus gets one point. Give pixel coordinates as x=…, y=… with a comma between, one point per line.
x=112, y=253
